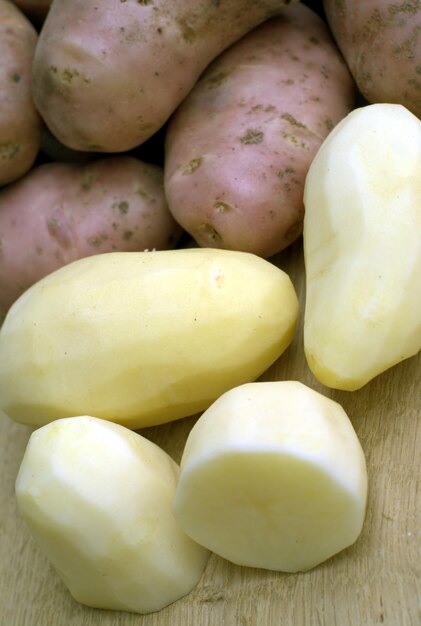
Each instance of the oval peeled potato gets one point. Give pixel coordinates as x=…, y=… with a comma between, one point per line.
x=239, y=147
x=273, y=476
x=108, y=75
x=20, y=123
x=362, y=247
x=143, y=338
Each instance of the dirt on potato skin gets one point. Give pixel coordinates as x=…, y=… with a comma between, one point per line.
x=238, y=148
x=381, y=42
x=20, y=123
x=113, y=204
x=107, y=76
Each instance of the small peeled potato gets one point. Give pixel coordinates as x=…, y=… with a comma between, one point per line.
x=273, y=476
x=97, y=498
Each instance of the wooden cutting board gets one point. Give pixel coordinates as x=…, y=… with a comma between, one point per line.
x=375, y=582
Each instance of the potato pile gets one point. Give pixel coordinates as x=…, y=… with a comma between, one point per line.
x=154, y=158
x=230, y=99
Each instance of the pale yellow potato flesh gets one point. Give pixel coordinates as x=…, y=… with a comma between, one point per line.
x=97, y=498
x=273, y=476
x=362, y=247
x=143, y=338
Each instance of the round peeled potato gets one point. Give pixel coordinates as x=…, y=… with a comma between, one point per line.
x=273, y=476
x=381, y=42
x=60, y=212
x=240, y=145
x=20, y=124
x=107, y=75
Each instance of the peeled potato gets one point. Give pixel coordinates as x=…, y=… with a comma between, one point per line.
x=273, y=476
x=143, y=338
x=97, y=498
x=362, y=247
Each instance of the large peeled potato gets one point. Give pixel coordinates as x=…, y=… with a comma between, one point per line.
x=20, y=124
x=60, y=212
x=97, y=498
x=381, y=42
x=362, y=247
x=143, y=338
x=107, y=75
x=240, y=145
x=273, y=476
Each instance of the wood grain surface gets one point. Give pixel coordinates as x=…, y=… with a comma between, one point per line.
x=377, y=581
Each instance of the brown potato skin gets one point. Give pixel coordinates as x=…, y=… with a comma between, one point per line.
x=381, y=42
x=239, y=147
x=20, y=124
x=107, y=75
x=60, y=212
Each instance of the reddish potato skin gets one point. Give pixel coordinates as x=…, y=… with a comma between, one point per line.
x=239, y=147
x=381, y=42
x=20, y=124
x=107, y=75
x=60, y=212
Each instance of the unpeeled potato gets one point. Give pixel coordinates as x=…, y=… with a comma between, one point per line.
x=107, y=75
x=239, y=146
x=60, y=212
x=20, y=123
x=381, y=42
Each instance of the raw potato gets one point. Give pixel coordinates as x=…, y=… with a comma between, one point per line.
x=60, y=212
x=239, y=147
x=381, y=42
x=107, y=75
x=273, y=476
x=143, y=338
x=362, y=247
x=97, y=498
x=20, y=124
